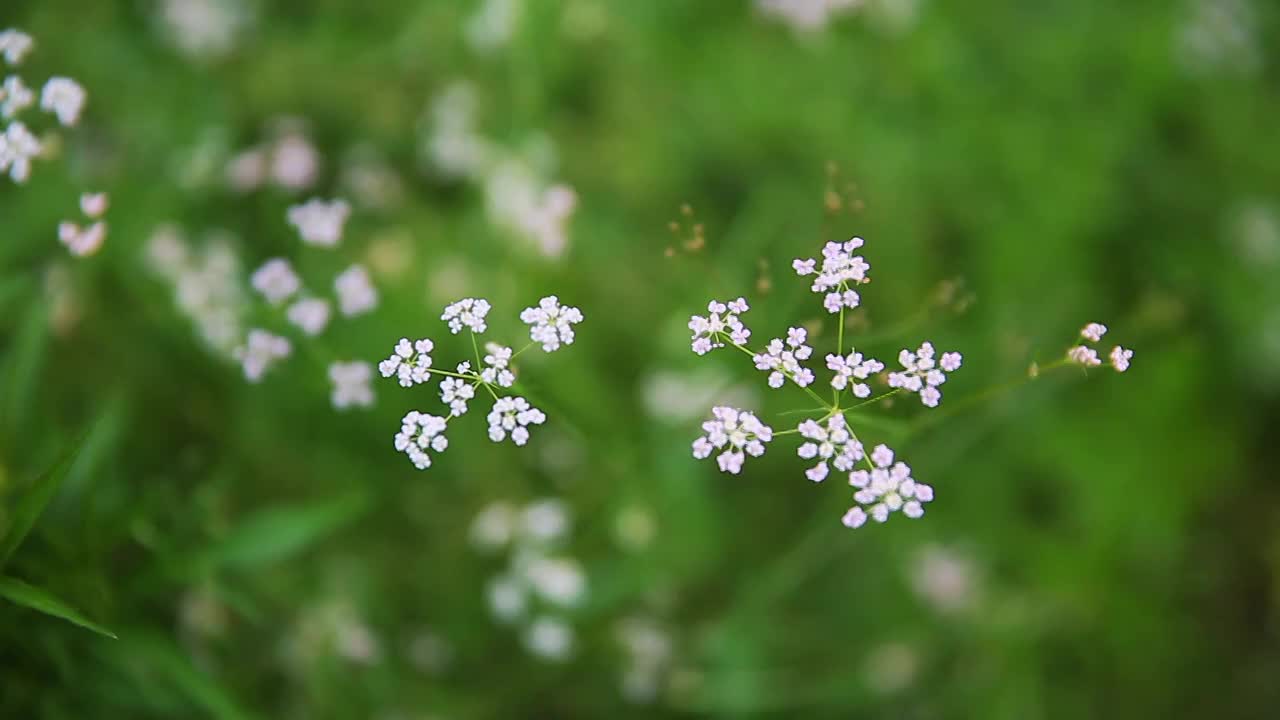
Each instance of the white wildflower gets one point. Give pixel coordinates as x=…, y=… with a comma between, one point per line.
x=82, y=241
x=295, y=163
x=841, y=269
x=1082, y=355
x=1120, y=358
x=276, y=280
x=494, y=526
x=709, y=332
x=17, y=147
x=782, y=359
x=204, y=28
x=545, y=521
x=851, y=368
x=549, y=638
x=420, y=432
x=410, y=362
x=945, y=578
x=496, y=371
x=834, y=443
x=1093, y=332
x=94, y=205
x=14, y=97
x=311, y=315
x=922, y=374
x=507, y=598
x=456, y=392
x=260, y=352
x=513, y=416
x=551, y=323
x=63, y=97
x=356, y=293
x=737, y=432
x=559, y=581
x=14, y=45
x=318, y=222
x=351, y=384
x=469, y=313
x=886, y=489
x=805, y=15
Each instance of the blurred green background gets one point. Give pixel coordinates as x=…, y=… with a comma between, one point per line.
x=1099, y=547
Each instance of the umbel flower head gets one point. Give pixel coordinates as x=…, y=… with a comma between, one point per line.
x=510, y=416
x=1087, y=356
x=829, y=442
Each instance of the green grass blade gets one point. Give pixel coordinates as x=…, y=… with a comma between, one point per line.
x=33, y=502
x=30, y=596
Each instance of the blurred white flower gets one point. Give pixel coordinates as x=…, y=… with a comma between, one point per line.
x=647, y=654
x=295, y=163
x=17, y=147
x=492, y=24
x=1093, y=332
x=1120, y=358
x=94, y=205
x=63, y=97
x=494, y=526
x=276, y=281
x=551, y=323
x=318, y=222
x=14, y=45
x=544, y=521
x=203, y=28
x=549, y=638
x=945, y=578
x=454, y=146
x=559, y=581
x=507, y=598
x=356, y=293
x=311, y=315
x=14, y=97
x=80, y=241
x=806, y=15
x=260, y=351
x=1085, y=356
x=517, y=200
x=351, y=384
x=1221, y=35
x=737, y=433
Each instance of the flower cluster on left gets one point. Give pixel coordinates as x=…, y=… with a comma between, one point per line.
x=511, y=416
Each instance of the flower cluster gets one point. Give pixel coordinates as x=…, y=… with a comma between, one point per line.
x=922, y=374
x=782, y=360
x=61, y=97
x=840, y=270
x=318, y=222
x=420, y=432
x=551, y=323
x=828, y=439
x=886, y=488
x=722, y=320
x=518, y=197
x=510, y=416
x=737, y=433
x=1088, y=356
x=206, y=281
x=540, y=584
x=87, y=240
x=260, y=351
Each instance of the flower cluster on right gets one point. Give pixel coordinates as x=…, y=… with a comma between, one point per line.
x=882, y=485
x=1087, y=356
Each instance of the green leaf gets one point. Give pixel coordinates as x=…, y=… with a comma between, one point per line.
x=33, y=502
x=154, y=660
x=269, y=536
x=40, y=600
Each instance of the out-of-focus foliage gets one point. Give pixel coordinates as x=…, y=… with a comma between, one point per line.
x=1098, y=548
